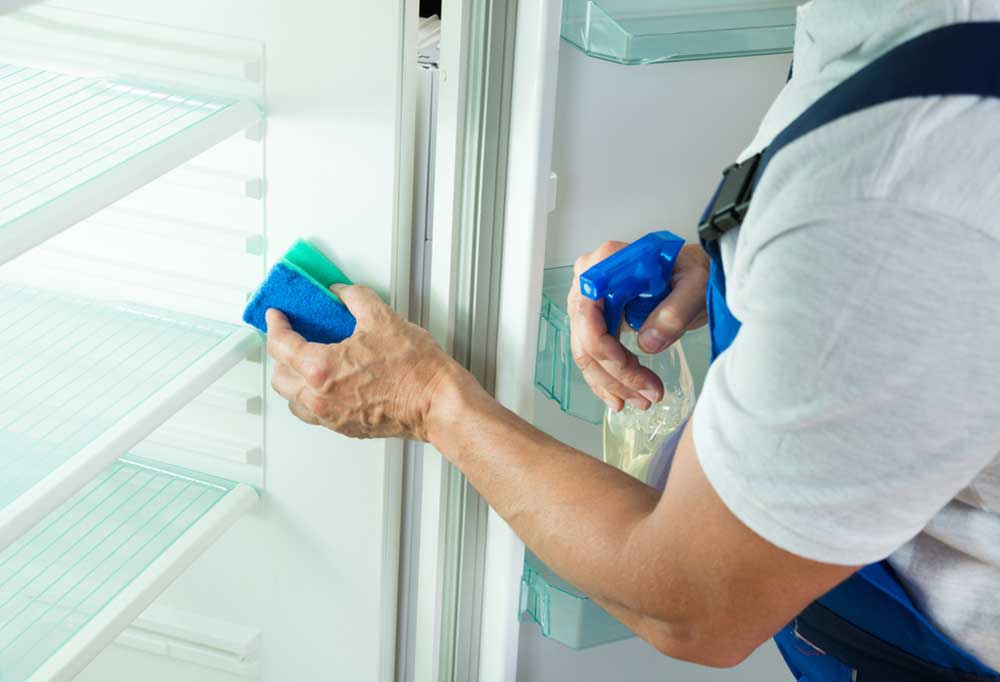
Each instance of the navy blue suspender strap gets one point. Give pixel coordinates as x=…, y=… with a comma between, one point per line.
x=961, y=59
x=867, y=629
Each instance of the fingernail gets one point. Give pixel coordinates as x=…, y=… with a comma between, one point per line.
x=338, y=287
x=650, y=395
x=637, y=404
x=611, y=405
x=652, y=341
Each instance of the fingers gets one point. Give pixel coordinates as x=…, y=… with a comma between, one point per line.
x=683, y=308
x=610, y=370
x=292, y=387
x=303, y=414
x=668, y=322
x=287, y=347
x=286, y=382
x=613, y=392
x=364, y=304
x=589, y=333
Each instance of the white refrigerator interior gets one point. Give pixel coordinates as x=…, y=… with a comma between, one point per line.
x=166, y=153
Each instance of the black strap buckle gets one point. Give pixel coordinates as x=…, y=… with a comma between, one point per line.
x=732, y=199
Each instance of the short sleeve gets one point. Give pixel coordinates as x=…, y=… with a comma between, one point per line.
x=861, y=393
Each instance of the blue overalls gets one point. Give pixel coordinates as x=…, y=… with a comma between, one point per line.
x=867, y=629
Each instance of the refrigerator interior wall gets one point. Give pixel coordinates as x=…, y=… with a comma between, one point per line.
x=638, y=149
x=307, y=581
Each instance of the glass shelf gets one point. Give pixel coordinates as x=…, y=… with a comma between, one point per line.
x=87, y=569
x=70, y=146
x=652, y=31
x=556, y=374
x=84, y=381
x=562, y=612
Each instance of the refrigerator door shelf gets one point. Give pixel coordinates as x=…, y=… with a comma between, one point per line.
x=652, y=31
x=84, y=382
x=556, y=375
x=70, y=146
x=562, y=612
x=88, y=569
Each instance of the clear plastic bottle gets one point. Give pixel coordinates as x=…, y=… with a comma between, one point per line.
x=632, y=436
x=631, y=282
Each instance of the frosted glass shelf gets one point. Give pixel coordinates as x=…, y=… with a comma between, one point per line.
x=556, y=374
x=89, y=568
x=562, y=612
x=652, y=31
x=83, y=382
x=70, y=146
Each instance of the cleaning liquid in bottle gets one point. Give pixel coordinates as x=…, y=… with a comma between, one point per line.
x=632, y=282
x=633, y=436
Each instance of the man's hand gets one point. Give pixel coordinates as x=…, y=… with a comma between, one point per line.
x=612, y=372
x=387, y=380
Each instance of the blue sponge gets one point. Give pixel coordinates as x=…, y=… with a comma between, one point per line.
x=314, y=312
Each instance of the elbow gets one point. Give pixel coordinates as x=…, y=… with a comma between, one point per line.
x=716, y=647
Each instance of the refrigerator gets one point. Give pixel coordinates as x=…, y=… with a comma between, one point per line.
x=163, y=516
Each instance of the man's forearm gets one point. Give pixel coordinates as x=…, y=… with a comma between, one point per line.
x=577, y=514
x=677, y=568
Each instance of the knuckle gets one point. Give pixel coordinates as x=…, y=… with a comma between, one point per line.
x=582, y=359
x=600, y=253
x=610, y=247
x=316, y=374
x=316, y=405
x=668, y=320
x=590, y=349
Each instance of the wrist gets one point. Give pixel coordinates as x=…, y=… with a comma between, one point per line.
x=453, y=403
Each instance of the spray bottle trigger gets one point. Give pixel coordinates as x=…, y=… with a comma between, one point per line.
x=634, y=280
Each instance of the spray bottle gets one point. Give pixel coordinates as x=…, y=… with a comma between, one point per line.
x=631, y=283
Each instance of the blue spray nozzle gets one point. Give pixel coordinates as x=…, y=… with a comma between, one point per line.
x=634, y=280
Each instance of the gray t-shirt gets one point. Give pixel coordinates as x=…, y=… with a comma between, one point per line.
x=857, y=414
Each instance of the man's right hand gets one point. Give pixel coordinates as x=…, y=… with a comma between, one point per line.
x=612, y=372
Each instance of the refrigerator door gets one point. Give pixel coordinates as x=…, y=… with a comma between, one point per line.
x=311, y=572
x=530, y=191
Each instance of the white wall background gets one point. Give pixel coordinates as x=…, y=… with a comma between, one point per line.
x=639, y=149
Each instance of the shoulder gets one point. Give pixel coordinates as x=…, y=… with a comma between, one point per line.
x=934, y=156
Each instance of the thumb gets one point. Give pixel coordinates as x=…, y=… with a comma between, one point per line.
x=360, y=300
